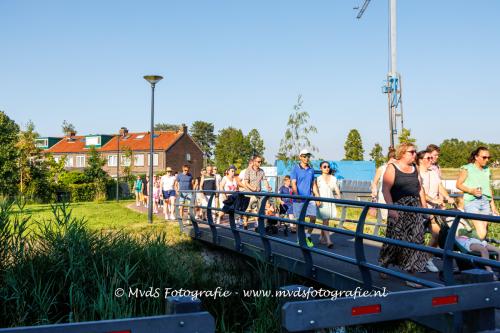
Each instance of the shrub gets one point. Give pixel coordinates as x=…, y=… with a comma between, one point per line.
x=82, y=192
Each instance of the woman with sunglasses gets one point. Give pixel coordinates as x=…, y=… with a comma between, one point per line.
x=475, y=181
x=402, y=186
x=327, y=186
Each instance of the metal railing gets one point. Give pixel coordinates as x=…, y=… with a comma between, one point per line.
x=308, y=267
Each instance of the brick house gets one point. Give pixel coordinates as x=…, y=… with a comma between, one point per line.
x=171, y=149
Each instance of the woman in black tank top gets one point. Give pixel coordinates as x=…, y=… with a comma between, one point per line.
x=401, y=186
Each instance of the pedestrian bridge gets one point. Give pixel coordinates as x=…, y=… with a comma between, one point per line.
x=448, y=303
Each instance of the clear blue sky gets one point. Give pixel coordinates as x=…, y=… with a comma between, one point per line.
x=243, y=63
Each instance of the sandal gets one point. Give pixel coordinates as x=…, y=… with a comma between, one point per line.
x=330, y=246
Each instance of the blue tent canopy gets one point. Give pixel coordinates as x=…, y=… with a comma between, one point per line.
x=352, y=170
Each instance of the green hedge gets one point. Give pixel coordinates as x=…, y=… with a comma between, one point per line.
x=87, y=192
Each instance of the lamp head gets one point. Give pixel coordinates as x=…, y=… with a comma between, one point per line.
x=153, y=79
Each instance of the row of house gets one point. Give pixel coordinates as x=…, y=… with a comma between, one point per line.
x=171, y=149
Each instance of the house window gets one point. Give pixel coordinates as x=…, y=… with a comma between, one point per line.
x=155, y=159
x=80, y=161
x=69, y=161
x=57, y=158
x=139, y=159
x=188, y=157
x=124, y=160
x=112, y=159
x=93, y=141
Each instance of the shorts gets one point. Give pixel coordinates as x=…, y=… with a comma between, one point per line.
x=478, y=206
x=310, y=211
x=466, y=242
x=168, y=194
x=204, y=201
x=184, y=198
x=254, y=203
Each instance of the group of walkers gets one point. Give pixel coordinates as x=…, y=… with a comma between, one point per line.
x=409, y=178
x=165, y=188
x=413, y=178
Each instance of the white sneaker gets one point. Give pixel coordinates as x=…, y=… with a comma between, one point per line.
x=431, y=267
x=172, y=217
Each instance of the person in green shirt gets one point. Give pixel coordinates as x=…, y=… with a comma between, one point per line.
x=474, y=181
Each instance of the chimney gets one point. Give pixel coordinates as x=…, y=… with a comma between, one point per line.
x=72, y=133
x=184, y=128
x=123, y=131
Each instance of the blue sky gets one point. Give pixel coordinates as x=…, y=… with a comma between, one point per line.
x=243, y=63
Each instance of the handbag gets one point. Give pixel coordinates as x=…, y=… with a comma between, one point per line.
x=372, y=211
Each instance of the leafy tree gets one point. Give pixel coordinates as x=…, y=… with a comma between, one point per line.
x=297, y=134
x=256, y=143
x=94, y=172
x=9, y=175
x=203, y=134
x=166, y=127
x=68, y=128
x=405, y=136
x=454, y=152
x=28, y=154
x=35, y=182
x=232, y=148
x=56, y=168
x=127, y=169
x=353, y=146
x=376, y=155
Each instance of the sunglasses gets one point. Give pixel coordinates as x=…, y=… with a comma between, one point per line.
x=305, y=156
x=485, y=157
x=411, y=151
x=325, y=167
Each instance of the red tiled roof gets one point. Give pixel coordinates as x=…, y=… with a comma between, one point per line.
x=135, y=141
x=68, y=144
x=140, y=141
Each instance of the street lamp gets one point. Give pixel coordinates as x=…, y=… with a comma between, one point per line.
x=153, y=80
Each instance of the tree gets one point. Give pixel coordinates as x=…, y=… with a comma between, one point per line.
x=376, y=155
x=167, y=127
x=405, y=137
x=35, y=183
x=94, y=172
x=9, y=175
x=353, y=146
x=232, y=148
x=68, y=128
x=203, y=134
x=28, y=153
x=454, y=152
x=297, y=134
x=256, y=143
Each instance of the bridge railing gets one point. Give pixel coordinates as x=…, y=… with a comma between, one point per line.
x=359, y=259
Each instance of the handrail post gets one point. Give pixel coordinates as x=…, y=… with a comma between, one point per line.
x=177, y=209
x=192, y=216
x=210, y=219
x=449, y=280
x=238, y=246
x=301, y=235
x=262, y=228
x=342, y=216
x=359, y=250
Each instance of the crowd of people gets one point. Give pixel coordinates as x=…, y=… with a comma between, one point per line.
x=408, y=178
x=413, y=178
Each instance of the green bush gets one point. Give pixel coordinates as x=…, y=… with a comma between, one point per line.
x=82, y=192
x=72, y=177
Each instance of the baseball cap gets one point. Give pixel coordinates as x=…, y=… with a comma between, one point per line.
x=304, y=152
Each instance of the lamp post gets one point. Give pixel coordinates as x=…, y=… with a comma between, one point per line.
x=153, y=80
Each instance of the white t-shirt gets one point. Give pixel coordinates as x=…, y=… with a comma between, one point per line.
x=230, y=185
x=167, y=182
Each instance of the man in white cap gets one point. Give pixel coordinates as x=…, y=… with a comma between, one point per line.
x=303, y=183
